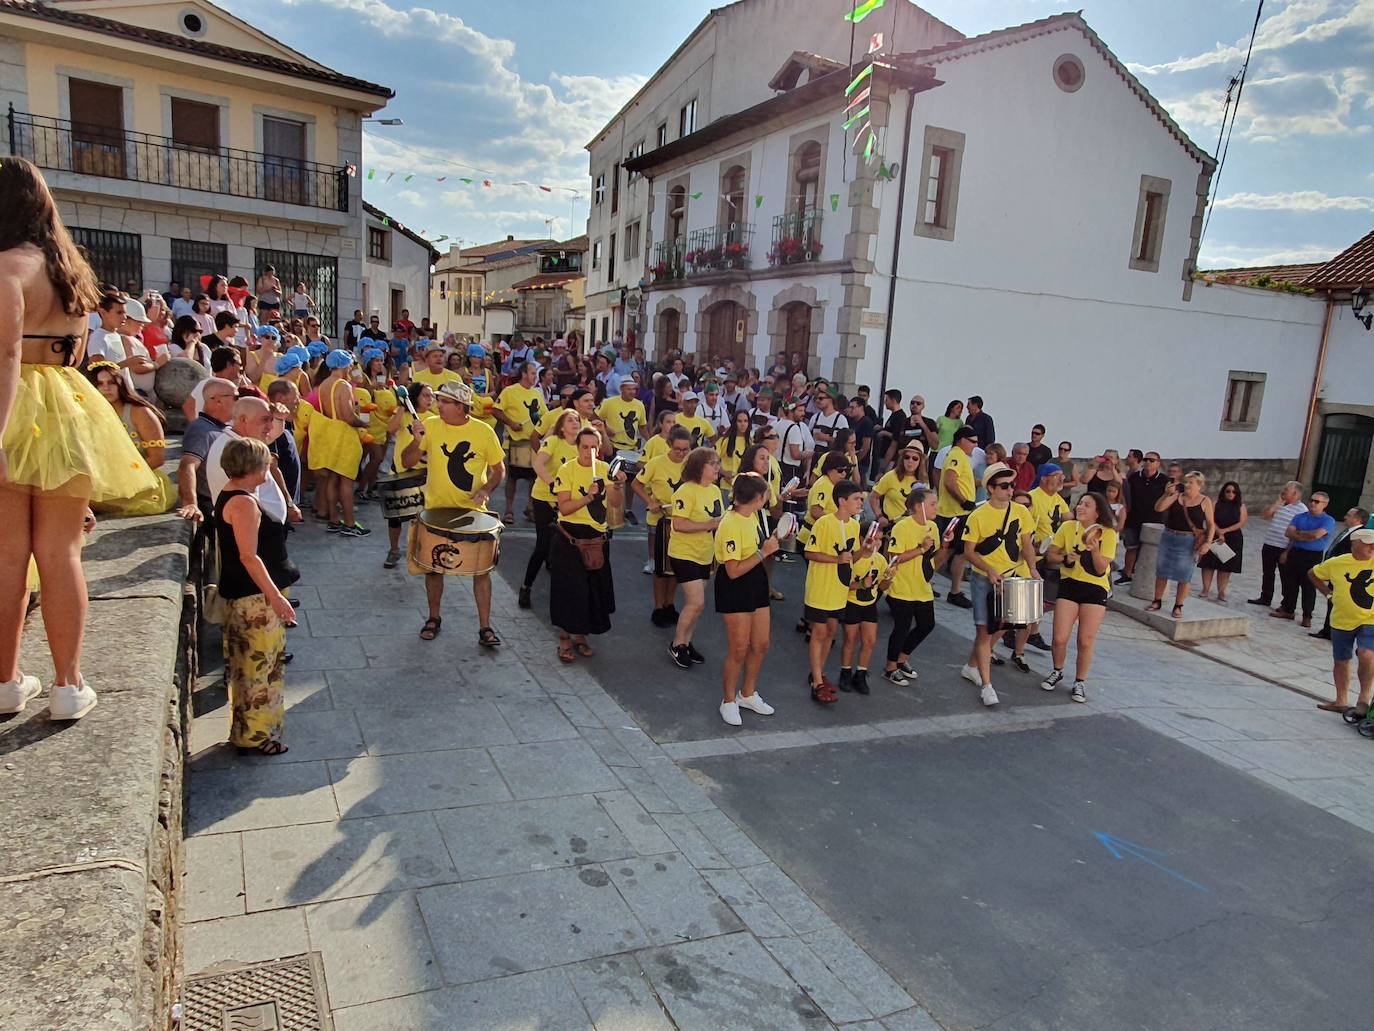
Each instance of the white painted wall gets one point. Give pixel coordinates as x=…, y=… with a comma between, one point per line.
x=1349, y=375
x=408, y=271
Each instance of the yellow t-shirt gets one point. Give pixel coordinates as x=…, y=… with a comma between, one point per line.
x=730, y=457
x=576, y=479
x=911, y=582
x=1069, y=538
x=1000, y=548
x=864, y=578
x=822, y=493
x=436, y=379
x=266, y=380
x=737, y=537
x=1050, y=512
x=894, y=493
x=1352, y=604
x=827, y=583
x=559, y=452
x=661, y=478
x=699, y=503
x=546, y=424
x=458, y=458
x=955, y=459
x=624, y=420
x=522, y=405
x=403, y=439
x=655, y=446
x=700, y=428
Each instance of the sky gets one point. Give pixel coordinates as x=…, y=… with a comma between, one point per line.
x=512, y=92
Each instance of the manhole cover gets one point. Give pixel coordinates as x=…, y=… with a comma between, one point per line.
x=283, y=995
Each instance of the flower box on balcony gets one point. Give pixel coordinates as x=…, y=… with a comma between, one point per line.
x=791, y=250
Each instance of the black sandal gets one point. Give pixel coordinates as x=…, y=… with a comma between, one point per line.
x=487, y=638
x=430, y=630
x=1178, y=612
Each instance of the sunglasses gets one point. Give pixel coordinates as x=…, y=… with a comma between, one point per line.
x=1065, y=448
x=770, y=436
x=1001, y=484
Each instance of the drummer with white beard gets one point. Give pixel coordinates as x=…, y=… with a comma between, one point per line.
x=998, y=542
x=464, y=465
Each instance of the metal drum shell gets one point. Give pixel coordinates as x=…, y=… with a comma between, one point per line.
x=402, y=494
x=454, y=542
x=1022, y=600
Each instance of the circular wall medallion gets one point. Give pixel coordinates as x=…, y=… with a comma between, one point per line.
x=1068, y=73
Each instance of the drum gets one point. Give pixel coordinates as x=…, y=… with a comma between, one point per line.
x=521, y=454
x=615, y=514
x=454, y=542
x=402, y=494
x=631, y=462
x=1022, y=600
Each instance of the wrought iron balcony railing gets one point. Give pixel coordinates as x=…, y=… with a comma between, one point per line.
x=53, y=143
x=719, y=248
x=668, y=263
x=796, y=238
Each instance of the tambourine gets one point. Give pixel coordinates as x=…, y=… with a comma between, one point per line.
x=787, y=526
x=615, y=468
x=790, y=486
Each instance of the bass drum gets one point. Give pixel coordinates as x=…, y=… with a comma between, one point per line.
x=454, y=542
x=402, y=494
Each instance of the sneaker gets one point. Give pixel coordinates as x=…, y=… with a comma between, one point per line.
x=18, y=693
x=1078, y=694
x=648, y=569
x=988, y=696
x=333, y=527
x=1009, y=640
x=67, y=702
x=1122, y=579
x=997, y=660
x=1052, y=681
x=896, y=676
x=971, y=674
x=680, y=655
x=695, y=655
x=861, y=681
x=356, y=530
x=906, y=671
x=524, y=600
x=1020, y=664
x=1037, y=642
x=729, y=712
x=393, y=557
x=958, y=600
x=659, y=619
x=846, y=682
x=754, y=703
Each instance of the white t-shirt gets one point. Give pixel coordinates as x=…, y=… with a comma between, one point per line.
x=717, y=414
x=143, y=381
x=823, y=427
x=677, y=379
x=978, y=458
x=269, y=494
x=300, y=302
x=759, y=418
x=106, y=343
x=795, y=433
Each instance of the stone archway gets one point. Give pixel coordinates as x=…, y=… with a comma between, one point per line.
x=669, y=314
x=714, y=298
x=785, y=311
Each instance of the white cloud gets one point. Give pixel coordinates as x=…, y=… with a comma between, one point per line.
x=1297, y=201
x=1218, y=256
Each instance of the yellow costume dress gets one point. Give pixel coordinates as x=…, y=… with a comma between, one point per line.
x=153, y=501
x=334, y=444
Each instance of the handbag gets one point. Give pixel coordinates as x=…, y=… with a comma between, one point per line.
x=213, y=608
x=592, y=550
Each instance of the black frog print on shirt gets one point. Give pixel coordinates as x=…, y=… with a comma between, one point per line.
x=532, y=405
x=631, y=425
x=1359, y=589
x=458, y=471
x=597, y=508
x=1011, y=536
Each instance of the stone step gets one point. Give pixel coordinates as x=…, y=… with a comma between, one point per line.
x=1201, y=620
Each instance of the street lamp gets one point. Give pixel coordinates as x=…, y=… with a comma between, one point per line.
x=1359, y=297
x=385, y=121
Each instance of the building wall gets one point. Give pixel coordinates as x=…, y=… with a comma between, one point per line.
x=407, y=271
x=1348, y=378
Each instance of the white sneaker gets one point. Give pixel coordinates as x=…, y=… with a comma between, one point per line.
x=648, y=569
x=971, y=674
x=754, y=703
x=1052, y=681
x=70, y=703
x=988, y=695
x=18, y=693
x=729, y=712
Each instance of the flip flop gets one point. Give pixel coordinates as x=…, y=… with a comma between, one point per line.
x=430, y=630
x=508, y=519
x=565, y=652
x=584, y=649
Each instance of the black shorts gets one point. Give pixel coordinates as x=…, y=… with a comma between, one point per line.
x=1081, y=593
x=747, y=593
x=686, y=572
x=517, y=472
x=815, y=615
x=856, y=614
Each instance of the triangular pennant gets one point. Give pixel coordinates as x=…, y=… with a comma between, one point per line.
x=857, y=117
x=758, y=200
x=868, y=147
x=547, y=189
x=858, y=79
x=371, y=173
x=409, y=177
x=441, y=239
x=486, y=183
x=697, y=195
x=875, y=42
x=463, y=179
x=441, y=179
x=834, y=202
x=386, y=221
x=863, y=10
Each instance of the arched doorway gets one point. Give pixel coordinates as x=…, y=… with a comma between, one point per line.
x=725, y=326
x=797, y=338
x=668, y=336
x=1343, y=460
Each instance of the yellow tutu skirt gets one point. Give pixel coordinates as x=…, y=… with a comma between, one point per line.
x=334, y=446
x=153, y=501
x=63, y=437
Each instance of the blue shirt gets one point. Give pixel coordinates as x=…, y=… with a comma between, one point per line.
x=1305, y=521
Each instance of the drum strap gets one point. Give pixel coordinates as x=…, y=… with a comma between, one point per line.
x=592, y=550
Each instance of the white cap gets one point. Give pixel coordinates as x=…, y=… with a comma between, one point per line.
x=691, y=395
x=134, y=310
x=1362, y=536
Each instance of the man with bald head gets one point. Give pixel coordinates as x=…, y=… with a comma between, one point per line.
x=253, y=417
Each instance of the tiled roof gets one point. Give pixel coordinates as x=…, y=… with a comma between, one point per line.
x=527, y=257
x=197, y=47
x=545, y=280
x=501, y=246
x=378, y=213
x=1353, y=267
x=1274, y=273
x=1044, y=26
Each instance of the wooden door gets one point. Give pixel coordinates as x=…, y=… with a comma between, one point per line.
x=283, y=147
x=669, y=331
x=724, y=336
x=798, y=341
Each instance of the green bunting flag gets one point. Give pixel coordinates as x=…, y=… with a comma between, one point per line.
x=372, y=173
x=868, y=70
x=868, y=147
x=409, y=177
x=441, y=239
x=697, y=195
x=462, y=179
x=857, y=117
x=758, y=200
x=863, y=10
x=834, y=202
x=386, y=221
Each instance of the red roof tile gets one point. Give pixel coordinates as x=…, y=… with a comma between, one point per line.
x=545, y=280
x=1275, y=273
x=1353, y=267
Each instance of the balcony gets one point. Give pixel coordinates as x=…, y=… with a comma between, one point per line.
x=719, y=249
x=796, y=238
x=668, y=263
x=54, y=144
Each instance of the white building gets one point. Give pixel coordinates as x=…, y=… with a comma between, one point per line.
x=396, y=264
x=1028, y=232
x=474, y=286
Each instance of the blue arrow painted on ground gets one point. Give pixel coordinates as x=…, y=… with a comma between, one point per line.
x=1120, y=848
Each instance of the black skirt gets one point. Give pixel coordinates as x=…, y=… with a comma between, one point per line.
x=579, y=602
x=742, y=594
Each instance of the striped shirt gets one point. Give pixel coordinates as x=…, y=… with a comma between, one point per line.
x=1275, y=535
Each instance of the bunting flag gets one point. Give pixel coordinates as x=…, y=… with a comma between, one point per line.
x=388, y=177
x=547, y=189
x=442, y=179
x=486, y=183
x=697, y=195
x=867, y=71
x=855, y=96
x=350, y=169
x=834, y=202
x=386, y=221
x=861, y=11
x=758, y=200
x=855, y=118
x=440, y=239
x=371, y=173
x=408, y=178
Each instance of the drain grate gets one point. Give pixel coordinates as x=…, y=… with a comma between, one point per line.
x=282, y=995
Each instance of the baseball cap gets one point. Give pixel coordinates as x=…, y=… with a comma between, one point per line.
x=134, y=310
x=1049, y=469
x=994, y=470
x=1362, y=536
x=964, y=433
x=691, y=395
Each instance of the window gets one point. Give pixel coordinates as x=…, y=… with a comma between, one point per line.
x=636, y=151
x=599, y=192
x=732, y=185
x=1244, y=392
x=677, y=213
x=661, y=138
x=195, y=126
x=1151, y=207
x=97, y=116
x=319, y=274
x=283, y=147
x=938, y=201
x=596, y=254
x=687, y=119
x=378, y=244
x=116, y=258
x=615, y=191
x=610, y=261
x=632, y=241
x=192, y=259
x=806, y=178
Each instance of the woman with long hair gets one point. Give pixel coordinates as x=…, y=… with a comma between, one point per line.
x=741, y=593
x=581, y=590
x=143, y=422
x=1231, y=516
x=890, y=493
x=913, y=547
x=557, y=448
x=1084, y=547
x=203, y=314
x=219, y=297
x=185, y=341
x=947, y=424
x=732, y=444
x=697, y=511
x=60, y=446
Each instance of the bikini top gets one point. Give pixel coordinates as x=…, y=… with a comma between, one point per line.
x=64, y=346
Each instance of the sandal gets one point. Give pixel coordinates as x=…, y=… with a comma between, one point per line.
x=1340, y=707
x=1155, y=605
x=487, y=638
x=430, y=630
x=802, y=627
x=823, y=693
x=508, y=519
x=1178, y=612
x=266, y=748
x=583, y=648
x=565, y=651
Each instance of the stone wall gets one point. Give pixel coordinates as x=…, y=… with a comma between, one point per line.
x=1260, y=479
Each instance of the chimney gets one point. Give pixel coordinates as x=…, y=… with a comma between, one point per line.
x=510, y=237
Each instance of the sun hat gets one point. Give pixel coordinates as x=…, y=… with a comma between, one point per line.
x=456, y=391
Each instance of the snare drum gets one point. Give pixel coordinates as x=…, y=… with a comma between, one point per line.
x=521, y=454
x=632, y=462
x=454, y=542
x=402, y=494
x=1022, y=600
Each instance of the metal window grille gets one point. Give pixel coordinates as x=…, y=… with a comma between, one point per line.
x=192, y=259
x=320, y=275
x=117, y=258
